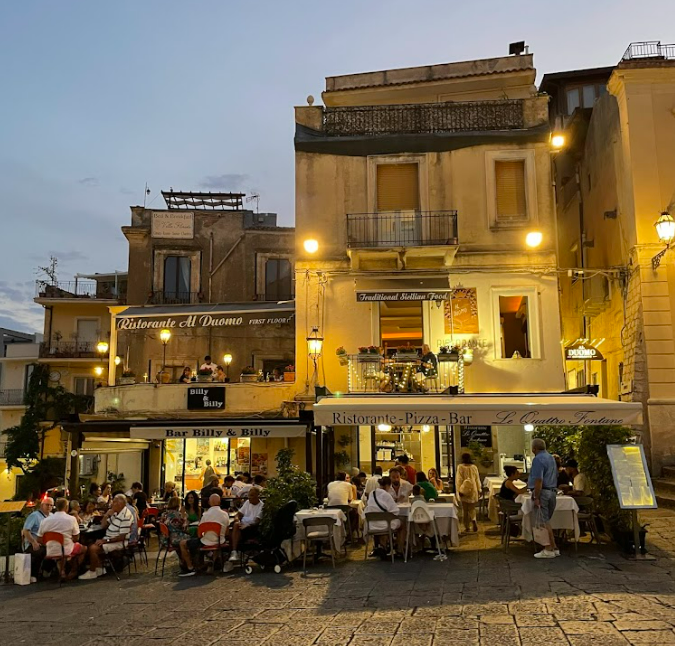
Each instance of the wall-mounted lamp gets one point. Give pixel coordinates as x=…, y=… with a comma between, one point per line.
x=311, y=245
x=164, y=337
x=314, y=344
x=533, y=239
x=665, y=229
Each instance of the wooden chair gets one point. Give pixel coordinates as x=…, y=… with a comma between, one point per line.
x=347, y=511
x=510, y=516
x=380, y=516
x=61, y=559
x=318, y=536
x=165, y=534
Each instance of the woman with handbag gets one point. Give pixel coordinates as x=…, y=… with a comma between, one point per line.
x=468, y=487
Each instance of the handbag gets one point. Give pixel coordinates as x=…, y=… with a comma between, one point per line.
x=22, y=569
x=539, y=531
x=467, y=488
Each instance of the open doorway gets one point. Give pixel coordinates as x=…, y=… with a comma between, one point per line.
x=400, y=325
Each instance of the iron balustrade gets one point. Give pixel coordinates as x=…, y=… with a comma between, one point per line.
x=11, y=397
x=76, y=289
x=175, y=298
x=69, y=349
x=649, y=49
x=424, y=118
x=401, y=229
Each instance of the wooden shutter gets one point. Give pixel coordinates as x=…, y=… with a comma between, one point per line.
x=398, y=187
x=510, y=183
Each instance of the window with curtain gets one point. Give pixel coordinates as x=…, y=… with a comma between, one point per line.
x=398, y=187
x=510, y=190
x=177, y=279
x=278, y=279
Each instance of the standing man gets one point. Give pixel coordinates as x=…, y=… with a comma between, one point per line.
x=543, y=483
x=208, y=473
x=411, y=474
x=208, y=365
x=29, y=533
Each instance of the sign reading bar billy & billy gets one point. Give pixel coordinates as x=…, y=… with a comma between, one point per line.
x=217, y=432
x=206, y=398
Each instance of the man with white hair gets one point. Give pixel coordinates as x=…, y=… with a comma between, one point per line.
x=118, y=522
x=543, y=483
x=29, y=533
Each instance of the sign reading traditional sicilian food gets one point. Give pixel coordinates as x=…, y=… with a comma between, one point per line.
x=580, y=351
x=369, y=297
x=206, y=398
x=461, y=312
x=174, y=225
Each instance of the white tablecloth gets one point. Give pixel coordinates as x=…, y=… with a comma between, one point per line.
x=338, y=528
x=564, y=517
x=493, y=484
x=446, y=520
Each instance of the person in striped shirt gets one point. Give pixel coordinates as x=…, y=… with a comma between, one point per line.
x=118, y=522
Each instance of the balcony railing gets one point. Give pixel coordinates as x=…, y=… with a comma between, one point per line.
x=69, y=350
x=77, y=289
x=424, y=118
x=401, y=229
x=373, y=373
x=11, y=397
x=175, y=298
x=649, y=49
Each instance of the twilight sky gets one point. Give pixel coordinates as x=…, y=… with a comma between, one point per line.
x=99, y=97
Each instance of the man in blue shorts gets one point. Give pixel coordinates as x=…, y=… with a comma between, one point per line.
x=543, y=483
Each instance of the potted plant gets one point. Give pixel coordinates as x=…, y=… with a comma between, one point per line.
x=128, y=378
x=204, y=374
x=373, y=349
x=363, y=349
x=289, y=373
x=342, y=355
x=248, y=375
x=446, y=353
x=369, y=354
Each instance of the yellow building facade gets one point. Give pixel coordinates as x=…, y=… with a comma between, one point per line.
x=419, y=187
x=615, y=179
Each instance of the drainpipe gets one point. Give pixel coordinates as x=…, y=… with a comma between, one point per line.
x=210, y=262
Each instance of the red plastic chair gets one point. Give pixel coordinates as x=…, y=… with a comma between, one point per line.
x=62, y=558
x=168, y=548
x=217, y=548
x=149, y=522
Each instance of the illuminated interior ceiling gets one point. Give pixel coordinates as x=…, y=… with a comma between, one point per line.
x=510, y=304
x=400, y=320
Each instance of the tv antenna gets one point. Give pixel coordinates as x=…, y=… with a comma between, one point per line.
x=254, y=196
x=146, y=192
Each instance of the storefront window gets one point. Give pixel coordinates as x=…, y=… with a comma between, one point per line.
x=174, y=464
x=514, y=321
x=400, y=325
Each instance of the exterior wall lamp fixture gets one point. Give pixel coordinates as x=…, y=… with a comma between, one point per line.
x=227, y=360
x=164, y=337
x=665, y=229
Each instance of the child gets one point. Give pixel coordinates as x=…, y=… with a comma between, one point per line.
x=417, y=494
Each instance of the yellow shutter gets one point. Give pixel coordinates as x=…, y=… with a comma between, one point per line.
x=510, y=182
x=397, y=187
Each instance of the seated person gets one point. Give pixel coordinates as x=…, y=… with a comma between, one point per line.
x=118, y=522
x=186, y=376
x=430, y=492
x=380, y=500
x=400, y=489
x=227, y=485
x=177, y=523
x=29, y=533
x=103, y=501
x=417, y=494
x=240, y=487
x=509, y=490
x=87, y=515
x=563, y=478
x=190, y=547
x=63, y=523
x=372, y=483
x=340, y=492
x=259, y=481
x=580, y=484
x=205, y=493
x=140, y=497
x=169, y=491
x=246, y=526
x=74, y=511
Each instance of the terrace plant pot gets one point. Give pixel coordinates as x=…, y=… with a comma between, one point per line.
x=247, y=379
x=204, y=378
x=289, y=376
x=127, y=381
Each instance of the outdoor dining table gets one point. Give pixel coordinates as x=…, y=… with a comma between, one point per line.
x=493, y=484
x=293, y=548
x=564, y=517
x=447, y=521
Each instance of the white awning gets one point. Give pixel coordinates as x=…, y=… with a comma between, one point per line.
x=489, y=410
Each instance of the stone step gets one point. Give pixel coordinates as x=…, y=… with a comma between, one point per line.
x=669, y=472
x=665, y=500
x=664, y=485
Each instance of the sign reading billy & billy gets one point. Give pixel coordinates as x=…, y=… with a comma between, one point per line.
x=206, y=398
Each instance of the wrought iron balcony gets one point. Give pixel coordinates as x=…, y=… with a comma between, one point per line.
x=84, y=289
x=649, y=49
x=401, y=229
x=69, y=350
x=11, y=397
x=424, y=118
x=175, y=298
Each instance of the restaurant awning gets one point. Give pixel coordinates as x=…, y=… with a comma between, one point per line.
x=206, y=315
x=488, y=409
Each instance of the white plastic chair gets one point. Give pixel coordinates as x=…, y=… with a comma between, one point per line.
x=422, y=514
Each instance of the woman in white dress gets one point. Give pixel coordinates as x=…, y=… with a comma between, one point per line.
x=468, y=487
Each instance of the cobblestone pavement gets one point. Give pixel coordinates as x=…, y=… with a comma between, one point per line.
x=479, y=595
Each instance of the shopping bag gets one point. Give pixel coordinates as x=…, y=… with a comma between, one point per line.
x=22, y=569
x=539, y=531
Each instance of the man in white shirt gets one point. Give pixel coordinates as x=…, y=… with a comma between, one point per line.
x=372, y=483
x=246, y=526
x=118, y=522
x=190, y=547
x=400, y=489
x=340, y=492
x=580, y=484
x=208, y=365
x=240, y=487
x=381, y=500
x=65, y=524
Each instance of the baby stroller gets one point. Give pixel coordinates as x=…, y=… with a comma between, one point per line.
x=267, y=551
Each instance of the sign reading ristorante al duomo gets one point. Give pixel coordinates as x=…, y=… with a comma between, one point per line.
x=194, y=321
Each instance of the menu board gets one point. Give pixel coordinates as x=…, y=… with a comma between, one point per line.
x=481, y=434
x=631, y=476
x=461, y=312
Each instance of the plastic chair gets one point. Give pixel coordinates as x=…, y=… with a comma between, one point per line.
x=57, y=537
x=216, y=548
x=165, y=534
x=318, y=536
x=422, y=514
x=484, y=502
x=511, y=516
x=380, y=516
x=346, y=510
x=149, y=522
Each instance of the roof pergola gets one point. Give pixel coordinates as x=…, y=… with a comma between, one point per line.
x=215, y=201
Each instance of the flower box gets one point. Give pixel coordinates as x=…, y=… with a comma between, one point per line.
x=289, y=376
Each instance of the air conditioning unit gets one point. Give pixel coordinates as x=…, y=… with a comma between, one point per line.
x=88, y=465
x=597, y=295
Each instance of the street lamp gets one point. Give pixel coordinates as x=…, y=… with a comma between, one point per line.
x=314, y=344
x=557, y=140
x=164, y=337
x=665, y=229
x=98, y=371
x=311, y=245
x=533, y=239
x=118, y=360
x=227, y=360
x=102, y=347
